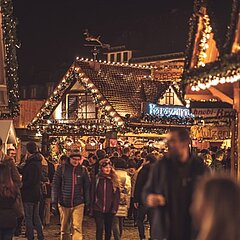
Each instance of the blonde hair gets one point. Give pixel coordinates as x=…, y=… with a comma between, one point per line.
x=113, y=174
x=216, y=209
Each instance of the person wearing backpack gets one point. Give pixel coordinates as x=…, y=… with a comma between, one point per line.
x=125, y=196
x=70, y=189
x=105, y=198
x=8, y=203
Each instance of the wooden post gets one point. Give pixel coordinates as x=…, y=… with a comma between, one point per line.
x=236, y=105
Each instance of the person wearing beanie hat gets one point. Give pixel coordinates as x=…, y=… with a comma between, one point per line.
x=71, y=191
x=125, y=195
x=105, y=198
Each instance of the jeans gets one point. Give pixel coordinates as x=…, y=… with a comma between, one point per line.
x=71, y=222
x=142, y=212
x=6, y=233
x=103, y=220
x=117, y=227
x=32, y=220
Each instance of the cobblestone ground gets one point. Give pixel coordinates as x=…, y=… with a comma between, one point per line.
x=52, y=232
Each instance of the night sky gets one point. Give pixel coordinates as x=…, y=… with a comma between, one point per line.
x=51, y=31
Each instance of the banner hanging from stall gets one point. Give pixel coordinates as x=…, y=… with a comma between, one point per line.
x=213, y=112
x=210, y=132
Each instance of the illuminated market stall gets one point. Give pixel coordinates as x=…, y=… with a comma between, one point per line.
x=212, y=73
x=101, y=105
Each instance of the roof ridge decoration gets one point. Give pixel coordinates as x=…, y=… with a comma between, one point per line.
x=74, y=74
x=193, y=29
x=226, y=68
x=224, y=45
x=131, y=65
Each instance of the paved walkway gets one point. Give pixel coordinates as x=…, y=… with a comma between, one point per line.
x=52, y=233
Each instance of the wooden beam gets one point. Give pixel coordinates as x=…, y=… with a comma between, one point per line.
x=217, y=93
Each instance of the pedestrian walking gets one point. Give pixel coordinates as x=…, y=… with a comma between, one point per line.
x=142, y=210
x=105, y=198
x=132, y=212
x=70, y=189
x=216, y=209
x=31, y=176
x=125, y=196
x=8, y=199
x=168, y=191
x=4, y=159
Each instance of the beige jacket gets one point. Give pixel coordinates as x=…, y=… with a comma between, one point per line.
x=125, y=192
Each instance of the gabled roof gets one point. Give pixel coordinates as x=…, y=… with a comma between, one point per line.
x=119, y=88
x=124, y=87
x=223, y=17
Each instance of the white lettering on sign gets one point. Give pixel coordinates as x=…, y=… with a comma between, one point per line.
x=166, y=111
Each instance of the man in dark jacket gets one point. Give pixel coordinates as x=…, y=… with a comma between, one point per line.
x=31, y=177
x=142, y=210
x=70, y=189
x=170, y=187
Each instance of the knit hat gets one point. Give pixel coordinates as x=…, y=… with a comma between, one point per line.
x=75, y=152
x=104, y=162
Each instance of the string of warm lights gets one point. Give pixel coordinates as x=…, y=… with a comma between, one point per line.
x=117, y=63
x=203, y=45
x=75, y=73
x=11, y=64
x=214, y=81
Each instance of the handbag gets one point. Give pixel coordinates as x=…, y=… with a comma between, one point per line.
x=18, y=206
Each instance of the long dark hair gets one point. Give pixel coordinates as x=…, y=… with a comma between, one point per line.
x=216, y=209
x=7, y=187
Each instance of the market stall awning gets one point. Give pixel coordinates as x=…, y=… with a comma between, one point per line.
x=7, y=132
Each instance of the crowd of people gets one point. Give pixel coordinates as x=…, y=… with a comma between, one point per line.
x=179, y=193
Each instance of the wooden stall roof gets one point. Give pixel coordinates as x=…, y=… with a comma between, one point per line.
x=125, y=88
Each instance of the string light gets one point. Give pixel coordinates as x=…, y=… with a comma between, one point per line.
x=11, y=65
x=214, y=81
x=203, y=45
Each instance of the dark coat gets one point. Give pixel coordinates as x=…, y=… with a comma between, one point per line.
x=103, y=197
x=8, y=216
x=31, y=178
x=142, y=178
x=158, y=184
x=70, y=186
x=14, y=172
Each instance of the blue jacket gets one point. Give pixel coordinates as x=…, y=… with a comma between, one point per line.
x=70, y=186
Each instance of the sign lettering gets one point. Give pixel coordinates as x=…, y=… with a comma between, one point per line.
x=168, y=111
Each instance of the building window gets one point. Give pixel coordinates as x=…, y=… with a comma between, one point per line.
x=3, y=97
x=169, y=97
x=112, y=56
x=81, y=106
x=24, y=93
x=125, y=56
x=50, y=89
x=118, y=57
x=33, y=92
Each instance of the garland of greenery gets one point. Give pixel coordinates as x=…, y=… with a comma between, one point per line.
x=226, y=67
x=11, y=64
